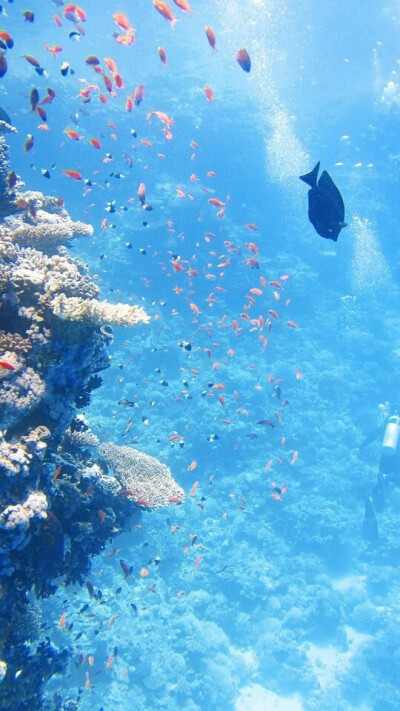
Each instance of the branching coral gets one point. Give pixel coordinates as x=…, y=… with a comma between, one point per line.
x=48, y=234
x=98, y=312
x=145, y=476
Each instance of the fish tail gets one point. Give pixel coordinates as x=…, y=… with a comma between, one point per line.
x=311, y=178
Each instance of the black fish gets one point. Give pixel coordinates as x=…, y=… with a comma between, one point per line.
x=4, y=116
x=325, y=204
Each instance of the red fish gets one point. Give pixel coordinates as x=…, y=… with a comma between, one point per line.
x=6, y=41
x=209, y=94
x=6, y=365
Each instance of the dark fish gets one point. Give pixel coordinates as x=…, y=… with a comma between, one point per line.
x=4, y=116
x=3, y=64
x=325, y=204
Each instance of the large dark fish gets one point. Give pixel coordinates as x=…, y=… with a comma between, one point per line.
x=325, y=204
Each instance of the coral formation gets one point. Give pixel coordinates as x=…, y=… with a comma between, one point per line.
x=148, y=479
x=59, y=505
x=100, y=312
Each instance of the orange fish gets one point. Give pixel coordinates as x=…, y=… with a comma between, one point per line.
x=62, y=620
x=122, y=21
x=292, y=324
x=216, y=202
x=71, y=133
x=162, y=54
x=196, y=562
x=194, y=308
x=256, y=291
x=191, y=466
x=183, y=5
x=208, y=93
x=73, y=174
x=299, y=374
x=95, y=142
x=251, y=226
x=144, y=573
x=211, y=37
x=165, y=11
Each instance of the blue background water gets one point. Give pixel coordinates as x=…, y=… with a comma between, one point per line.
x=305, y=614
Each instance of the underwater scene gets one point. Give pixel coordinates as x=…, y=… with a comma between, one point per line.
x=199, y=355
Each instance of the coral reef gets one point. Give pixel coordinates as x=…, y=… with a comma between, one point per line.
x=59, y=505
x=100, y=312
x=148, y=479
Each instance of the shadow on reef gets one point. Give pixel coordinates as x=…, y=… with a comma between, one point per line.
x=62, y=496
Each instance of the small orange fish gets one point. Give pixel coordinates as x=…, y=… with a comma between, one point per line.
x=292, y=324
x=211, y=37
x=194, y=308
x=163, y=55
x=71, y=133
x=165, y=11
x=299, y=374
x=144, y=573
x=192, y=466
x=122, y=21
x=209, y=94
x=256, y=291
x=95, y=142
x=183, y=5
x=251, y=226
x=74, y=174
x=196, y=562
x=62, y=620
x=216, y=202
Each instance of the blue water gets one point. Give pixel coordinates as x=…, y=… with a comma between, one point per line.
x=289, y=608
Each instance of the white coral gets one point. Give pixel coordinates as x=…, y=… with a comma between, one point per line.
x=99, y=312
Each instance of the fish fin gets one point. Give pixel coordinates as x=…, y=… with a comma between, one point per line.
x=311, y=178
x=370, y=524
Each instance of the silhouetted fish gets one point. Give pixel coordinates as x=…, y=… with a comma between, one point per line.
x=4, y=116
x=325, y=204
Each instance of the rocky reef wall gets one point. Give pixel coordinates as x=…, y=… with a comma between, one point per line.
x=61, y=497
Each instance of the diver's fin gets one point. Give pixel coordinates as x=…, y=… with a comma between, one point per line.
x=370, y=524
x=311, y=178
